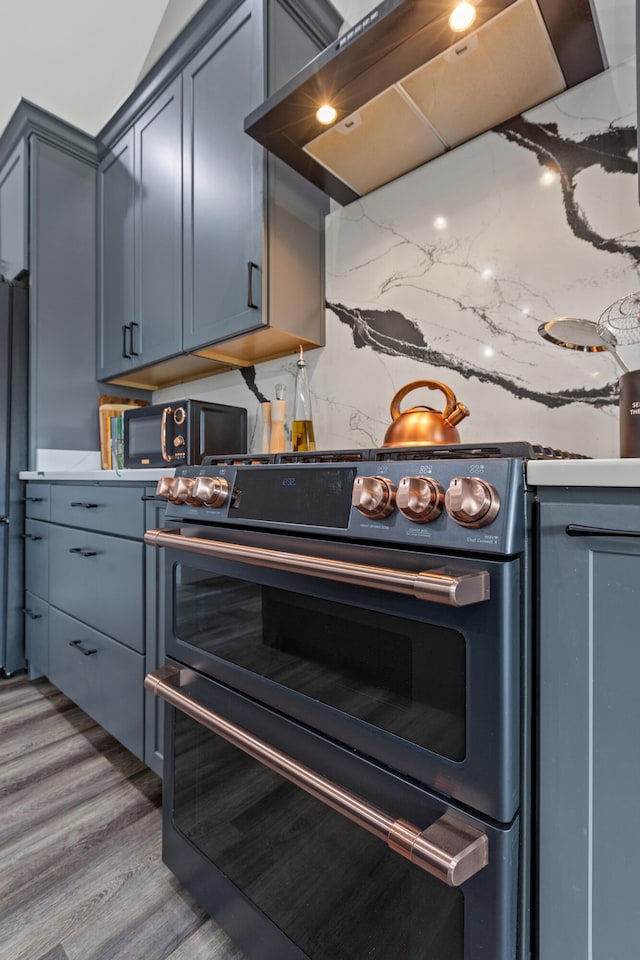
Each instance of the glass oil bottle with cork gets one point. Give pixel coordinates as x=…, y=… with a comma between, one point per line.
x=302, y=435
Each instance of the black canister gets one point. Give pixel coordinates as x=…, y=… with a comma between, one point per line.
x=630, y=414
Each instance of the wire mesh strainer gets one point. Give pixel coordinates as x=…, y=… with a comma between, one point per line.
x=620, y=322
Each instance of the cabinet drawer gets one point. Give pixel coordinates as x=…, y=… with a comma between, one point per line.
x=100, y=580
x=36, y=632
x=36, y=557
x=104, y=678
x=37, y=499
x=116, y=509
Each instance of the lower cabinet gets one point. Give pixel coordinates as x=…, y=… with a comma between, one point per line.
x=588, y=664
x=90, y=604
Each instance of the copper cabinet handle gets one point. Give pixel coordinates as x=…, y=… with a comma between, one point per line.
x=449, y=849
x=438, y=586
x=163, y=434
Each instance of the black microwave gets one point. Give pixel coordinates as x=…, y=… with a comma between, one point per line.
x=182, y=432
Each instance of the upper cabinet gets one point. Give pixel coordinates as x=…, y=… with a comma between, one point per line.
x=222, y=187
x=48, y=227
x=14, y=256
x=140, y=241
x=210, y=252
x=406, y=84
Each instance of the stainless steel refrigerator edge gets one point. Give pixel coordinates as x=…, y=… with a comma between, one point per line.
x=14, y=337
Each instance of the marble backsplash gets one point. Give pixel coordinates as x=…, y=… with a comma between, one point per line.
x=447, y=273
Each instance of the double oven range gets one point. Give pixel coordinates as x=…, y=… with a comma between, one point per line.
x=348, y=700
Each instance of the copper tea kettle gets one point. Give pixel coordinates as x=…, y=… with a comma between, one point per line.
x=419, y=426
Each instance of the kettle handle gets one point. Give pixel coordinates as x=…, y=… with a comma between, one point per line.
x=432, y=385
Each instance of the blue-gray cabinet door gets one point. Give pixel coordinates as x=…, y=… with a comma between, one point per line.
x=223, y=184
x=116, y=268
x=14, y=255
x=589, y=716
x=157, y=328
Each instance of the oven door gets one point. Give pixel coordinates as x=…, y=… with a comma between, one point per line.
x=425, y=687
x=300, y=848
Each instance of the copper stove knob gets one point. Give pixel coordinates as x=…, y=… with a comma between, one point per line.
x=472, y=502
x=375, y=497
x=211, y=491
x=183, y=491
x=421, y=499
x=165, y=487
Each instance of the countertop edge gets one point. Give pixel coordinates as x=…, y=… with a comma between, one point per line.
x=584, y=473
x=126, y=476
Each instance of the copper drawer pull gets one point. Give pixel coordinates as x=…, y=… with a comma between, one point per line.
x=436, y=585
x=449, y=849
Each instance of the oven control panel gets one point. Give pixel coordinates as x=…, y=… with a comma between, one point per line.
x=470, y=505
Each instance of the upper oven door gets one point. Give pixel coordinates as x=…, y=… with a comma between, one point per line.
x=427, y=688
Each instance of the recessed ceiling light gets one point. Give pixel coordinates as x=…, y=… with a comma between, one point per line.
x=462, y=16
x=326, y=113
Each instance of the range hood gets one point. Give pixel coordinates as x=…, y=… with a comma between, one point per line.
x=406, y=88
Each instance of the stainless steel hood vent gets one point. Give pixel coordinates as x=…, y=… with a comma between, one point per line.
x=407, y=89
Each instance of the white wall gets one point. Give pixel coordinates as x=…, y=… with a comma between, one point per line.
x=78, y=59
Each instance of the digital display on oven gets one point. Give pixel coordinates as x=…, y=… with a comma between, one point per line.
x=320, y=497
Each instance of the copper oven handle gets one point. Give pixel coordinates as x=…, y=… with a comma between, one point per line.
x=434, y=585
x=163, y=434
x=449, y=849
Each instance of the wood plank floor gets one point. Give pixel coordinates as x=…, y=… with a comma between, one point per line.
x=81, y=876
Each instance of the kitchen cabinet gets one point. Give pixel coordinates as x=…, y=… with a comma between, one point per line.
x=589, y=715
x=116, y=247
x=210, y=253
x=48, y=227
x=13, y=214
x=140, y=240
x=90, y=602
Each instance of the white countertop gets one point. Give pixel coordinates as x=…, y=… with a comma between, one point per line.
x=141, y=476
x=584, y=473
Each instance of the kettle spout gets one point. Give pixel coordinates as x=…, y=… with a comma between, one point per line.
x=458, y=413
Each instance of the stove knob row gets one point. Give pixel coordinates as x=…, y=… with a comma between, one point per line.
x=469, y=501
x=195, y=491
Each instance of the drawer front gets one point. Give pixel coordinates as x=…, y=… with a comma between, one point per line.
x=115, y=509
x=37, y=500
x=99, y=580
x=36, y=633
x=36, y=557
x=102, y=676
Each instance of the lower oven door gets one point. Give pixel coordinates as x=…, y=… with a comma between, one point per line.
x=429, y=689
x=300, y=869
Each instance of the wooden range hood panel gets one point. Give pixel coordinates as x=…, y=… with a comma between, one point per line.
x=360, y=75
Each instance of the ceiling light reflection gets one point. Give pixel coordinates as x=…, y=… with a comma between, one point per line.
x=326, y=113
x=462, y=16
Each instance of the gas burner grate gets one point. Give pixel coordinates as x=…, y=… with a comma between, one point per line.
x=238, y=459
x=324, y=456
x=458, y=451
